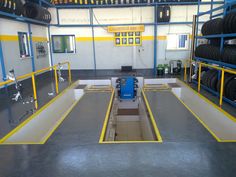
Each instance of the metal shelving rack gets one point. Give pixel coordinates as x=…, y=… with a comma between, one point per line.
x=222, y=38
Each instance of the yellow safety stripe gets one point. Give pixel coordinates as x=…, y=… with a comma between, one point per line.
x=15, y=38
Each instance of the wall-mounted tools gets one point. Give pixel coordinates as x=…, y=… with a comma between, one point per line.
x=11, y=76
x=41, y=49
x=127, y=88
x=12, y=6
x=37, y=12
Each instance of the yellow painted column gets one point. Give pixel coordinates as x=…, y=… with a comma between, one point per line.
x=199, y=77
x=185, y=72
x=222, y=86
x=34, y=91
x=69, y=73
x=56, y=79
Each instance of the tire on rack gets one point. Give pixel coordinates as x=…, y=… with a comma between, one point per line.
x=211, y=27
x=228, y=78
x=19, y=8
x=229, y=54
x=231, y=89
x=213, y=81
x=211, y=74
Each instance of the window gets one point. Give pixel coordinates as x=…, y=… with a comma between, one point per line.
x=23, y=44
x=63, y=43
x=128, y=39
x=177, y=41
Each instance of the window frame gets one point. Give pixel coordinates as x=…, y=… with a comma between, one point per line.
x=65, y=35
x=27, y=45
x=177, y=41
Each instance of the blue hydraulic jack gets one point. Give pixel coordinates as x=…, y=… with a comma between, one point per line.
x=127, y=87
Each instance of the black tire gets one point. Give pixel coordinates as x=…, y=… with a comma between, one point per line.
x=229, y=23
x=208, y=51
x=167, y=13
x=160, y=14
x=231, y=89
x=211, y=27
x=34, y=11
x=214, y=81
x=19, y=8
x=211, y=74
x=228, y=77
x=229, y=54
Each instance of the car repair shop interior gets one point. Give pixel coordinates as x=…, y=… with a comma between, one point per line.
x=118, y=88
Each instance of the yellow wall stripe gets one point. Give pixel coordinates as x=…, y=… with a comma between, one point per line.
x=78, y=39
x=15, y=38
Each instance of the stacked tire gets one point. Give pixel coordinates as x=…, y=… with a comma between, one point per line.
x=208, y=51
x=229, y=86
x=229, y=54
x=210, y=79
x=229, y=23
x=12, y=6
x=212, y=27
x=37, y=12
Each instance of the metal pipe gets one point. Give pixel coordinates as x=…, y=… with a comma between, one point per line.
x=94, y=47
x=4, y=75
x=155, y=42
x=31, y=47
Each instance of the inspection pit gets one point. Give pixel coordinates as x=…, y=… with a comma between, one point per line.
x=130, y=121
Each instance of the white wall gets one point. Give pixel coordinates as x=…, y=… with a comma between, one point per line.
x=109, y=56
x=10, y=46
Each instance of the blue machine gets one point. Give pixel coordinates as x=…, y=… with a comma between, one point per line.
x=127, y=88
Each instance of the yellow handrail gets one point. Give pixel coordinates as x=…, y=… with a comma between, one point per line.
x=223, y=70
x=32, y=75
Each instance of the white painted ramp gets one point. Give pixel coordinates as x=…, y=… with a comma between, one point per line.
x=43, y=123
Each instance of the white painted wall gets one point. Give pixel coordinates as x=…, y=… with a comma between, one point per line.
x=109, y=56
x=11, y=51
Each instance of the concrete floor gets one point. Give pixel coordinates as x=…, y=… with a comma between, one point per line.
x=188, y=150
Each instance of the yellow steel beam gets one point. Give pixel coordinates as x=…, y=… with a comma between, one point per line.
x=222, y=86
x=34, y=91
x=199, y=77
x=56, y=79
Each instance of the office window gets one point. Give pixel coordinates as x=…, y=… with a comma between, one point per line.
x=128, y=39
x=63, y=43
x=23, y=44
x=177, y=41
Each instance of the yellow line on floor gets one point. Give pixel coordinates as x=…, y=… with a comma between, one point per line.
x=199, y=119
x=154, y=124
x=210, y=102
x=61, y=120
x=103, y=133
x=33, y=116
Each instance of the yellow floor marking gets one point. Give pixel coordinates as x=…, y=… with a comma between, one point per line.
x=156, y=130
x=34, y=115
